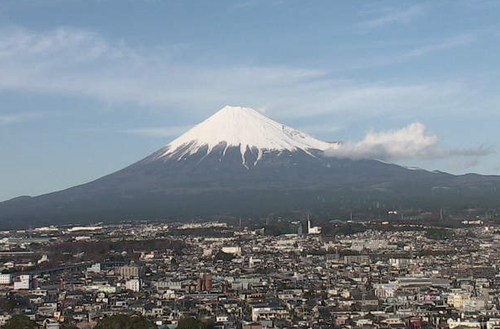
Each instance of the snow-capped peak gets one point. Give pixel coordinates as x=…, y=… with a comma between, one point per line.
x=235, y=126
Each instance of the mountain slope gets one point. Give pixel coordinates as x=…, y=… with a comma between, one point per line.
x=240, y=163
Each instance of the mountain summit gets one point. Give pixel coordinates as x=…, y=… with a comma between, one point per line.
x=240, y=163
x=244, y=128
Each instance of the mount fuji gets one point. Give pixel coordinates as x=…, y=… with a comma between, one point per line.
x=245, y=129
x=238, y=162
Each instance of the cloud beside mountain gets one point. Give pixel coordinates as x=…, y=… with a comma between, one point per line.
x=411, y=142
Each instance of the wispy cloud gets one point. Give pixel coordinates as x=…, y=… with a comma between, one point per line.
x=463, y=163
x=18, y=117
x=496, y=167
x=458, y=41
x=321, y=128
x=391, y=15
x=480, y=3
x=83, y=63
x=410, y=142
x=247, y=4
x=171, y=131
x=408, y=51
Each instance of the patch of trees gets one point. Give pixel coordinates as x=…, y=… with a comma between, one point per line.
x=204, y=232
x=276, y=229
x=344, y=229
x=125, y=322
x=100, y=250
x=192, y=323
x=20, y=321
x=223, y=256
x=8, y=304
x=439, y=234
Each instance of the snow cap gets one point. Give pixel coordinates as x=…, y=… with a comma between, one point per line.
x=243, y=127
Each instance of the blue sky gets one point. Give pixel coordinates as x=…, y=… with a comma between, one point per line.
x=90, y=86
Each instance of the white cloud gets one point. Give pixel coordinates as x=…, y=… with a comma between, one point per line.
x=410, y=142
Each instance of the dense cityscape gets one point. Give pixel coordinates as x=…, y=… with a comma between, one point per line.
x=251, y=275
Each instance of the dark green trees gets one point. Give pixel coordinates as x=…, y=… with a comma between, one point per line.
x=20, y=322
x=125, y=322
x=191, y=323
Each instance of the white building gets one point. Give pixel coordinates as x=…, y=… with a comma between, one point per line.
x=5, y=279
x=313, y=229
x=466, y=323
x=133, y=284
x=168, y=285
x=84, y=228
x=268, y=313
x=6, y=317
x=44, y=259
x=401, y=262
x=222, y=318
x=493, y=323
x=232, y=250
x=385, y=290
x=96, y=268
x=23, y=282
x=254, y=262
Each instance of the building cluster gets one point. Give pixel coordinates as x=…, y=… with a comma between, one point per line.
x=383, y=277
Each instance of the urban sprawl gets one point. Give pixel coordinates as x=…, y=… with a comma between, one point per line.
x=351, y=274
